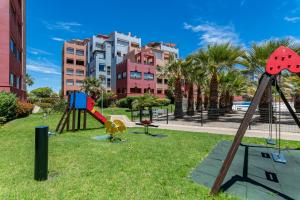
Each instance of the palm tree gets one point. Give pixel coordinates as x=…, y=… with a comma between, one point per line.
x=292, y=83
x=189, y=77
x=29, y=80
x=200, y=73
x=175, y=70
x=92, y=87
x=220, y=57
x=255, y=61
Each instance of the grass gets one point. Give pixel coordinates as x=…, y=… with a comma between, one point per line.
x=143, y=167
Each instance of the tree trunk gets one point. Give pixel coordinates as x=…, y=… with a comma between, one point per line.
x=199, y=99
x=205, y=102
x=190, y=106
x=228, y=105
x=178, y=112
x=213, y=111
x=297, y=102
x=222, y=103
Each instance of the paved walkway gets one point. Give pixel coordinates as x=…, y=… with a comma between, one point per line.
x=227, y=131
x=214, y=129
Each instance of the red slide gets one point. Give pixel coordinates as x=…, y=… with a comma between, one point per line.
x=90, y=108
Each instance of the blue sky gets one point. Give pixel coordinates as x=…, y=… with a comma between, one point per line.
x=190, y=24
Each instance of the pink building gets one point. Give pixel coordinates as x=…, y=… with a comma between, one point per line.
x=136, y=75
x=12, y=47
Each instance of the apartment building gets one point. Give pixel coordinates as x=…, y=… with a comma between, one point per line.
x=12, y=47
x=162, y=52
x=136, y=74
x=74, y=64
x=99, y=59
x=122, y=44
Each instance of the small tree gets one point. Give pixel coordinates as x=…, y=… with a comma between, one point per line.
x=43, y=92
x=92, y=87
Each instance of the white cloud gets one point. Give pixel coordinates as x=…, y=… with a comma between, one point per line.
x=57, y=39
x=66, y=26
x=210, y=33
x=292, y=19
x=43, y=66
x=36, y=52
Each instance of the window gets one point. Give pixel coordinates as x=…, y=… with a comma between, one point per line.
x=102, y=55
x=159, y=81
x=17, y=82
x=119, y=76
x=124, y=74
x=159, y=91
x=108, y=82
x=122, y=43
x=70, y=50
x=79, y=72
x=135, y=90
x=79, y=52
x=79, y=83
x=70, y=71
x=108, y=70
x=135, y=75
x=11, y=80
x=101, y=67
x=158, y=55
x=118, y=90
x=148, y=90
x=70, y=61
x=80, y=62
x=70, y=82
x=148, y=76
x=18, y=55
x=11, y=45
x=99, y=45
x=166, y=81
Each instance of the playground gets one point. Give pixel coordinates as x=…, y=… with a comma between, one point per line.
x=92, y=155
x=143, y=167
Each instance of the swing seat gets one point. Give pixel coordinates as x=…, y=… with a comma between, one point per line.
x=270, y=141
x=278, y=157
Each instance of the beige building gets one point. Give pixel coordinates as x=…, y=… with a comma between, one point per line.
x=73, y=65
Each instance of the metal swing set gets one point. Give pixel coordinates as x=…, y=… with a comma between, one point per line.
x=281, y=59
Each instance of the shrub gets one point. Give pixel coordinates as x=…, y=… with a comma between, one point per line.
x=163, y=101
x=23, y=109
x=8, y=105
x=60, y=105
x=2, y=120
x=126, y=102
x=108, y=99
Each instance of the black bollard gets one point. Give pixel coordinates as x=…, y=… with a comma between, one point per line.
x=41, y=153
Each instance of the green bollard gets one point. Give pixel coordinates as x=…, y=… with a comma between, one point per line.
x=41, y=153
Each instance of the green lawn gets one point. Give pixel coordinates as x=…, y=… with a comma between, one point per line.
x=143, y=167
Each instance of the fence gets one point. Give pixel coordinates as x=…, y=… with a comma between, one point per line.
x=154, y=115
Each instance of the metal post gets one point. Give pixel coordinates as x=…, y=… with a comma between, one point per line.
x=102, y=102
x=131, y=114
x=201, y=115
x=167, y=116
x=74, y=111
x=141, y=115
x=41, y=153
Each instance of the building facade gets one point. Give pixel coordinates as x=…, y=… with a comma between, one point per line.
x=162, y=52
x=99, y=61
x=122, y=44
x=12, y=47
x=136, y=75
x=74, y=64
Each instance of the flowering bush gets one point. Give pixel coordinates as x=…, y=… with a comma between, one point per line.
x=23, y=109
